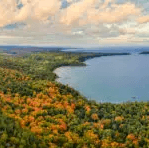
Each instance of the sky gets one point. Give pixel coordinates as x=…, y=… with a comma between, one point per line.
x=74, y=22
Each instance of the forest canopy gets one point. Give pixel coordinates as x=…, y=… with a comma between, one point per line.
x=36, y=111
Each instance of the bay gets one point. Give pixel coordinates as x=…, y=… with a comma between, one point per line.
x=114, y=79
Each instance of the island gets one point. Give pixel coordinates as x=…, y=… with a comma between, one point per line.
x=145, y=52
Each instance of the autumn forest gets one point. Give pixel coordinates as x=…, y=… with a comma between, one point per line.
x=38, y=112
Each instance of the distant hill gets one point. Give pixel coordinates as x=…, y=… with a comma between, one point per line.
x=145, y=52
x=21, y=50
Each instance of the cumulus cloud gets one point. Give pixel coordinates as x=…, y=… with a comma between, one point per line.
x=75, y=11
x=7, y=11
x=103, y=31
x=106, y=3
x=143, y=19
x=115, y=14
x=108, y=12
x=45, y=8
x=83, y=11
x=78, y=21
x=33, y=10
x=23, y=14
x=127, y=30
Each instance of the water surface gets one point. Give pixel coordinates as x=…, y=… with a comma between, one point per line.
x=110, y=79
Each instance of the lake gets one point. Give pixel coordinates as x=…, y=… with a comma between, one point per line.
x=114, y=79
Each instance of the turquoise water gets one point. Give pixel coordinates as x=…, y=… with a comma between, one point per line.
x=112, y=79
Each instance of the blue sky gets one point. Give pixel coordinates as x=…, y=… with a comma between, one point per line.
x=74, y=22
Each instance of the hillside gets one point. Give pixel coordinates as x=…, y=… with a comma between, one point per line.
x=38, y=112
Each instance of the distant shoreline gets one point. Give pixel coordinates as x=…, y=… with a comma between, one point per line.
x=145, y=52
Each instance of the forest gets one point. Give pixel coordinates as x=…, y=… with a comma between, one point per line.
x=38, y=112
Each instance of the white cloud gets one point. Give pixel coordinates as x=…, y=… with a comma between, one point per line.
x=115, y=14
x=77, y=33
x=86, y=12
x=75, y=11
x=81, y=21
x=45, y=8
x=31, y=10
x=143, y=19
x=123, y=39
x=127, y=31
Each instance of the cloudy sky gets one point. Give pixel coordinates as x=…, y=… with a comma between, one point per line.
x=74, y=22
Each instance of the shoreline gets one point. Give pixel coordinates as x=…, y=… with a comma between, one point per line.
x=82, y=60
x=85, y=58
x=60, y=72
x=145, y=52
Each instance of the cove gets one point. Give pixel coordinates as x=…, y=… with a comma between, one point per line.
x=114, y=79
